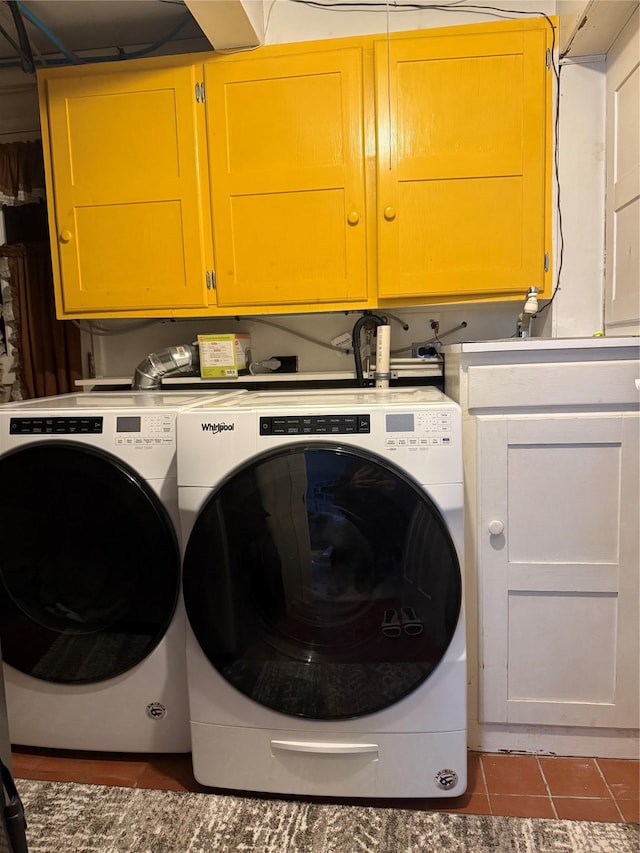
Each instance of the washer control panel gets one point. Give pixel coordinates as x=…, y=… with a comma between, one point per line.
x=91, y=425
x=315, y=424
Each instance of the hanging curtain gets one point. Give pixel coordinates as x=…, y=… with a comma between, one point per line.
x=21, y=173
x=39, y=355
x=49, y=350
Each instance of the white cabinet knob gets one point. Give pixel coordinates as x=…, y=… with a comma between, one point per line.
x=496, y=527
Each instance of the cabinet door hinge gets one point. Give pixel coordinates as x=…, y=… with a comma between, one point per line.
x=200, y=93
x=211, y=280
x=546, y=261
x=548, y=60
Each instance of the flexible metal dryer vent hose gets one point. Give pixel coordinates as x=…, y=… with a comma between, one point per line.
x=167, y=362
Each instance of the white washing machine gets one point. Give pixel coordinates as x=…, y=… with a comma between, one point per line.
x=91, y=614
x=323, y=587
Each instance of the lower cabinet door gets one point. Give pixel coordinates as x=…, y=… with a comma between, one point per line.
x=558, y=563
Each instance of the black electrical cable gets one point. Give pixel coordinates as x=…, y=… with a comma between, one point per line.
x=13, y=44
x=558, y=205
x=27, y=62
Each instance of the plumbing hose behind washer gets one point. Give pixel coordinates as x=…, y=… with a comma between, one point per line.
x=371, y=320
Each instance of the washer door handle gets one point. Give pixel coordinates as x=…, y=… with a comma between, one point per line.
x=330, y=748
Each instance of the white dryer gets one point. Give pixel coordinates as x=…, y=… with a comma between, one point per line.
x=323, y=587
x=91, y=615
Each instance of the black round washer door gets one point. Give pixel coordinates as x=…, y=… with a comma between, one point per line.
x=322, y=582
x=89, y=564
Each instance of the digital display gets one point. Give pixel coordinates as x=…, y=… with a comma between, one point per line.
x=401, y=422
x=128, y=423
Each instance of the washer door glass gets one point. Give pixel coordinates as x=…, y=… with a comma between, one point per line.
x=321, y=582
x=89, y=565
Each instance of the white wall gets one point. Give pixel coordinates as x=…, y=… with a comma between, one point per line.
x=292, y=21
x=119, y=354
x=579, y=304
x=577, y=308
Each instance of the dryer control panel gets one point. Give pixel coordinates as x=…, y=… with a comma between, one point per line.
x=56, y=426
x=144, y=430
x=419, y=429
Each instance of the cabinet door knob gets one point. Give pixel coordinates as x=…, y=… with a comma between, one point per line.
x=65, y=236
x=496, y=527
x=389, y=213
x=353, y=218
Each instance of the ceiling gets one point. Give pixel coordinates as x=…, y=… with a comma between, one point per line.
x=81, y=25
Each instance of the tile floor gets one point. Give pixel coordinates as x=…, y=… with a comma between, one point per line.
x=602, y=789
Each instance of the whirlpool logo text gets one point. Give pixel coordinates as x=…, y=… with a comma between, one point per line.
x=217, y=428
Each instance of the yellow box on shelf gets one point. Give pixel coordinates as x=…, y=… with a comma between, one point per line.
x=224, y=355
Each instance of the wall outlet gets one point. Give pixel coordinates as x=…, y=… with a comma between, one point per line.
x=343, y=341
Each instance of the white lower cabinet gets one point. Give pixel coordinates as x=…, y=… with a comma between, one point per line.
x=551, y=438
x=557, y=539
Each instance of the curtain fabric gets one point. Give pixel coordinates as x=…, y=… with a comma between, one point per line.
x=21, y=173
x=9, y=384
x=39, y=355
x=49, y=350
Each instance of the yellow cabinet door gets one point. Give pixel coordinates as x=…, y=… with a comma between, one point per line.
x=286, y=154
x=131, y=227
x=462, y=137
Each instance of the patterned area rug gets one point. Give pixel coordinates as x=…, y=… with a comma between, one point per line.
x=65, y=817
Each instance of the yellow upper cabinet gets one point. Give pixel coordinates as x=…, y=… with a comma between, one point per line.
x=328, y=175
x=286, y=155
x=462, y=138
x=130, y=219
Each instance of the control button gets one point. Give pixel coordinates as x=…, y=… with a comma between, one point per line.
x=265, y=426
x=402, y=441
x=364, y=423
x=446, y=439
